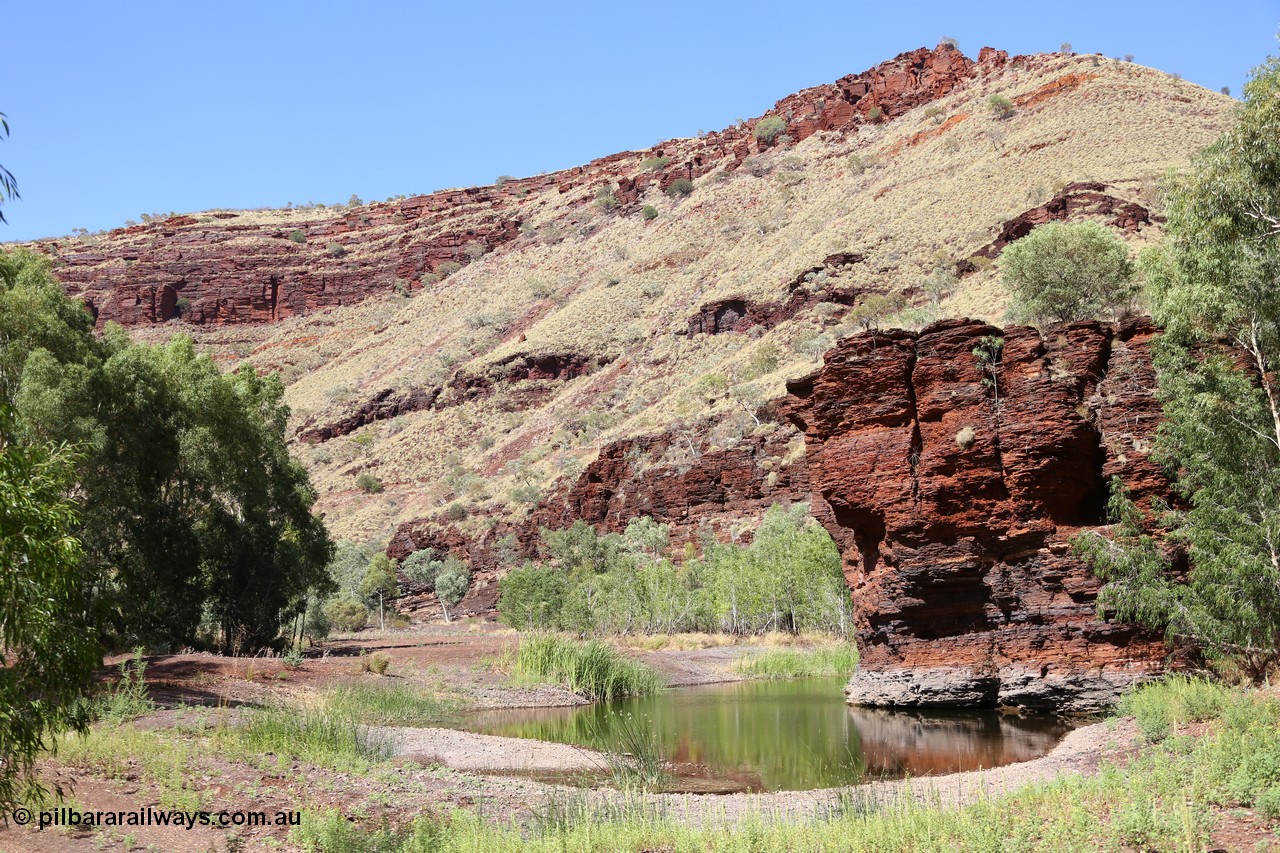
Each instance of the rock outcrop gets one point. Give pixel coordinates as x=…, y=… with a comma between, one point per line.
x=228, y=267
x=952, y=466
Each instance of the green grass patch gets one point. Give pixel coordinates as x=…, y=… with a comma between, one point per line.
x=799, y=663
x=391, y=705
x=591, y=668
x=335, y=739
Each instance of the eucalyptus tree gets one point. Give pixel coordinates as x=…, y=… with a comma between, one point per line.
x=1215, y=288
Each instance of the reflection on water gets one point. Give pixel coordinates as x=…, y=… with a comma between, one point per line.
x=789, y=735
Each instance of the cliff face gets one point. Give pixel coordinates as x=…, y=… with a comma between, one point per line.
x=953, y=485
x=261, y=267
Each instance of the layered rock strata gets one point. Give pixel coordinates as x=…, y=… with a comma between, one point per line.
x=953, y=466
x=226, y=267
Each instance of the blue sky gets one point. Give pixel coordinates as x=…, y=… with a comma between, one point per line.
x=118, y=109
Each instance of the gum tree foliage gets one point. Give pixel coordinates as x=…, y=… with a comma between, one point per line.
x=48, y=648
x=451, y=583
x=190, y=505
x=8, y=184
x=1063, y=272
x=787, y=579
x=1214, y=281
x=380, y=582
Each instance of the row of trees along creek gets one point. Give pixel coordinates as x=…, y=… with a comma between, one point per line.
x=146, y=498
x=788, y=579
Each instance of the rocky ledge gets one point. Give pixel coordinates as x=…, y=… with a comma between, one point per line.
x=952, y=466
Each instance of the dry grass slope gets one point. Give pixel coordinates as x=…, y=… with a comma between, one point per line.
x=934, y=184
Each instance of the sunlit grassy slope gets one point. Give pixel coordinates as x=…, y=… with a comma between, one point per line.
x=933, y=185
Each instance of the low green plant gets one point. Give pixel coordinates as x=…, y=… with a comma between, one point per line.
x=680, y=187
x=654, y=164
x=832, y=660
x=376, y=663
x=1000, y=106
x=769, y=128
x=607, y=199
x=636, y=761
x=298, y=236
x=335, y=250
x=391, y=705
x=128, y=697
x=369, y=484
x=648, y=213
x=322, y=737
x=1160, y=708
x=591, y=668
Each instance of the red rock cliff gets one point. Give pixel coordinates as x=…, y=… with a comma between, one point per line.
x=227, y=267
x=953, y=492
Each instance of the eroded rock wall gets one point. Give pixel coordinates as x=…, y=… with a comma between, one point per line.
x=953, y=492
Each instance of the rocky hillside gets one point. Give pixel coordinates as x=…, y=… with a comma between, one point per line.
x=617, y=339
x=484, y=347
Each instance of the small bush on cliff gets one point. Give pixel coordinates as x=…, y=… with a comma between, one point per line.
x=655, y=164
x=335, y=250
x=965, y=438
x=649, y=213
x=769, y=128
x=298, y=236
x=679, y=188
x=1061, y=272
x=369, y=484
x=607, y=199
x=1000, y=106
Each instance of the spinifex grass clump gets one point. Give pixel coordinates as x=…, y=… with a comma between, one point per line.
x=591, y=668
x=394, y=705
x=832, y=660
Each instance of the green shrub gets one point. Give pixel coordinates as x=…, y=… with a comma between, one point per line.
x=591, y=668
x=298, y=236
x=369, y=483
x=1064, y=272
x=769, y=128
x=448, y=268
x=347, y=614
x=376, y=663
x=875, y=114
x=935, y=112
x=607, y=199
x=654, y=164
x=128, y=698
x=422, y=567
x=680, y=187
x=335, y=250
x=648, y=213
x=1000, y=106
x=456, y=511
x=1160, y=706
x=531, y=597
